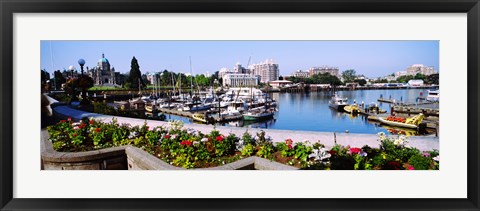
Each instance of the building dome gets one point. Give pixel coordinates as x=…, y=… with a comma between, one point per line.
x=103, y=59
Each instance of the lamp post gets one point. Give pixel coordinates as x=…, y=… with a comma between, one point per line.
x=81, y=62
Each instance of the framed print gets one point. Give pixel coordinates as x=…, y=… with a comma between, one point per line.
x=156, y=104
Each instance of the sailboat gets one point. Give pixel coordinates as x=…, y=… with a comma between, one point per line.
x=258, y=113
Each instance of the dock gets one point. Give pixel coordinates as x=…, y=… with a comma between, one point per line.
x=409, y=110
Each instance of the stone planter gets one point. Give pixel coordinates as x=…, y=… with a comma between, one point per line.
x=132, y=158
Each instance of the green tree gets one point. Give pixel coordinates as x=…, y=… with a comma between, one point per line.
x=134, y=78
x=419, y=76
x=58, y=79
x=202, y=80
x=325, y=78
x=404, y=78
x=361, y=82
x=45, y=76
x=433, y=79
x=166, y=78
x=349, y=75
x=215, y=76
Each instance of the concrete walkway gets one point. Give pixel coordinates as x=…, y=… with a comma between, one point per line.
x=327, y=138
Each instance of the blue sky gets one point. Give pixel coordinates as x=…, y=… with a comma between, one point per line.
x=371, y=58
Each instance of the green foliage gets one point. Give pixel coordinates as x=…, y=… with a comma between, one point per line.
x=302, y=151
x=247, y=138
x=323, y=78
x=248, y=150
x=134, y=79
x=266, y=151
x=349, y=75
x=361, y=82
x=420, y=162
x=404, y=78
x=433, y=79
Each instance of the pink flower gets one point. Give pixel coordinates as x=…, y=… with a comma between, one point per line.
x=410, y=168
x=289, y=143
x=355, y=150
x=69, y=119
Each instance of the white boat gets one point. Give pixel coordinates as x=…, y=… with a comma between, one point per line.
x=433, y=96
x=338, y=102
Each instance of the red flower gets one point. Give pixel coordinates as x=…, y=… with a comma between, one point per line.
x=219, y=138
x=74, y=135
x=98, y=129
x=69, y=119
x=186, y=143
x=355, y=150
x=289, y=142
x=82, y=125
x=166, y=136
x=410, y=168
x=91, y=122
x=63, y=121
x=333, y=152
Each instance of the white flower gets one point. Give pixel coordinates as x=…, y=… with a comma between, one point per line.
x=204, y=140
x=175, y=124
x=133, y=134
x=76, y=128
x=320, y=154
x=196, y=143
x=76, y=124
x=437, y=158
x=363, y=154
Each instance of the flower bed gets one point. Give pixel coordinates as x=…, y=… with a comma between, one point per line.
x=188, y=148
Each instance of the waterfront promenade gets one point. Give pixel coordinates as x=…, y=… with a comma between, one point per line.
x=326, y=138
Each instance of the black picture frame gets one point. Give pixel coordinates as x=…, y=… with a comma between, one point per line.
x=10, y=7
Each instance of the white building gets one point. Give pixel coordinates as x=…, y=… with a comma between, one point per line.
x=280, y=83
x=415, y=69
x=325, y=69
x=223, y=72
x=240, y=80
x=415, y=82
x=300, y=74
x=268, y=70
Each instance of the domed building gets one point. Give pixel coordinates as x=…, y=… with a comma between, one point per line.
x=103, y=74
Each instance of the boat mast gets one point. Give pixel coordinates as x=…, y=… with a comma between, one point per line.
x=191, y=78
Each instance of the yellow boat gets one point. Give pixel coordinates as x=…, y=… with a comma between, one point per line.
x=199, y=117
x=351, y=109
x=409, y=122
x=149, y=108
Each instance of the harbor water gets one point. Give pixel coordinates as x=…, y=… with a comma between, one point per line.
x=310, y=111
